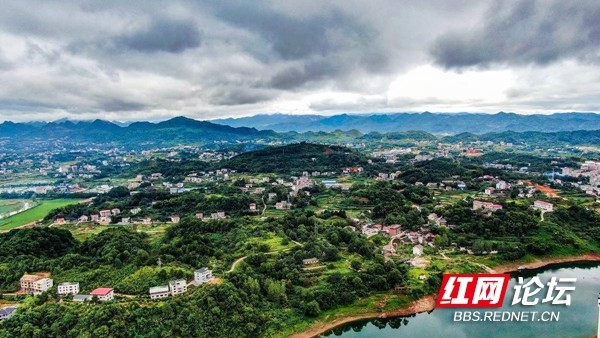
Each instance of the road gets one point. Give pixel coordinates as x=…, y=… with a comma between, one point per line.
x=241, y=259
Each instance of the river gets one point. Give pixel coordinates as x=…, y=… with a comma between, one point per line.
x=580, y=319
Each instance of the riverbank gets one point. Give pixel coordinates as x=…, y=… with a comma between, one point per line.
x=542, y=262
x=427, y=303
x=423, y=304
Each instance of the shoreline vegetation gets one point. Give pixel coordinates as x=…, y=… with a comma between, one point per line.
x=427, y=303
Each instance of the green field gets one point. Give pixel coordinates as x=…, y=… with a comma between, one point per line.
x=7, y=206
x=35, y=213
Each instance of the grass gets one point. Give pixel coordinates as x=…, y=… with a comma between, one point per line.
x=34, y=214
x=7, y=206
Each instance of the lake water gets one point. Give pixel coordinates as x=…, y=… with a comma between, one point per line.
x=580, y=319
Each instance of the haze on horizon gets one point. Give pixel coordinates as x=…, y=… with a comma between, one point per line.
x=152, y=60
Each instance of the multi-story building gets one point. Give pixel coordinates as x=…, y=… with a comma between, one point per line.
x=178, y=286
x=68, y=288
x=36, y=283
x=202, y=275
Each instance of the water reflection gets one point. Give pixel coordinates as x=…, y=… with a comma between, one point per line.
x=577, y=320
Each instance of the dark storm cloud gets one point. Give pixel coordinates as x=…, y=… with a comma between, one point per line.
x=525, y=32
x=163, y=36
x=231, y=96
x=291, y=37
x=117, y=105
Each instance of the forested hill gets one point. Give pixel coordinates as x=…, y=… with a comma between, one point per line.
x=295, y=158
x=578, y=137
x=173, y=131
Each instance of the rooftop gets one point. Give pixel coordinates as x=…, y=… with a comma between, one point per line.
x=159, y=289
x=101, y=291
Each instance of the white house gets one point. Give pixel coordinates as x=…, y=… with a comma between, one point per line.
x=202, y=275
x=490, y=190
x=178, y=286
x=103, y=294
x=418, y=250
x=546, y=206
x=502, y=185
x=6, y=312
x=159, y=292
x=68, y=288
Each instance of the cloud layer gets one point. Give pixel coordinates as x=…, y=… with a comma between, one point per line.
x=153, y=59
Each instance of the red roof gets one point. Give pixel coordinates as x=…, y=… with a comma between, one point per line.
x=101, y=291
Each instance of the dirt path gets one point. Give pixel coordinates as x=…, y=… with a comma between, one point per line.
x=241, y=259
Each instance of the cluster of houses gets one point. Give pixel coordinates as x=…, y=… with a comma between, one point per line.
x=590, y=169
x=41, y=282
x=486, y=206
x=179, y=286
x=103, y=217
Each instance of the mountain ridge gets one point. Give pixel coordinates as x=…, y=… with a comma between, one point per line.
x=436, y=123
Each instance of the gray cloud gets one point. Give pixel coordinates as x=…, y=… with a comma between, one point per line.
x=525, y=32
x=154, y=59
x=163, y=36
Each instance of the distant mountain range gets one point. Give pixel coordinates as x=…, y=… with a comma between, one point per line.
x=182, y=130
x=176, y=130
x=436, y=123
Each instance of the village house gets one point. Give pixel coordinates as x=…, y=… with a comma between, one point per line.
x=218, y=215
x=115, y=211
x=83, y=218
x=36, y=284
x=282, y=205
x=147, y=221
x=103, y=294
x=388, y=249
x=418, y=250
x=272, y=196
x=252, y=206
x=312, y=260
x=105, y=213
x=7, y=312
x=175, y=219
x=488, y=206
x=202, y=275
x=200, y=215
x=545, y=206
x=178, y=286
x=392, y=230
x=158, y=292
x=60, y=220
x=82, y=298
x=490, y=191
x=95, y=218
x=125, y=220
x=68, y=288
x=502, y=185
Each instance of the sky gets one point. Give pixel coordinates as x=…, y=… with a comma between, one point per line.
x=152, y=60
